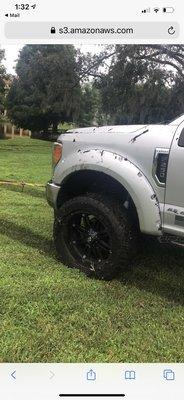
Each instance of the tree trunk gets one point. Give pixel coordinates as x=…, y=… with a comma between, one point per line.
x=55, y=127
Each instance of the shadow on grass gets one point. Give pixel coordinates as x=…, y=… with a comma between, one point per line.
x=159, y=269
x=27, y=237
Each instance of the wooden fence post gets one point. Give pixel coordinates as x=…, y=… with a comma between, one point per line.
x=13, y=131
x=5, y=129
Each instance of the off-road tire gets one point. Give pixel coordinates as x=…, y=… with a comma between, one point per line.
x=123, y=234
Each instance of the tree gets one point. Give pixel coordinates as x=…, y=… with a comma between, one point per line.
x=137, y=88
x=131, y=84
x=2, y=82
x=90, y=106
x=165, y=55
x=46, y=90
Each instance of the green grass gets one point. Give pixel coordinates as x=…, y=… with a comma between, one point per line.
x=50, y=313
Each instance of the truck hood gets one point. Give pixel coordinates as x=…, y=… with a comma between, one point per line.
x=113, y=128
x=124, y=128
x=177, y=121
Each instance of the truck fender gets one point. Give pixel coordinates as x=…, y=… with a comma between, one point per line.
x=127, y=174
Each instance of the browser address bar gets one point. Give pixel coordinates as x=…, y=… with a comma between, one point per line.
x=91, y=30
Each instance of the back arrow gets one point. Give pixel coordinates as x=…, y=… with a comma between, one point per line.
x=51, y=375
x=13, y=375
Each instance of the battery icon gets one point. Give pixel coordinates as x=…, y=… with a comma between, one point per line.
x=168, y=10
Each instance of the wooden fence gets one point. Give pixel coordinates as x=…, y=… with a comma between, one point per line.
x=10, y=130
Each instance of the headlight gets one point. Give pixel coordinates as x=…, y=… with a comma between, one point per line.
x=57, y=153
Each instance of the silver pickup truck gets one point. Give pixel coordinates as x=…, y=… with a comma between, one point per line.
x=112, y=184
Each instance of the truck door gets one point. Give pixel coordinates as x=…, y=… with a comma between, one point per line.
x=174, y=198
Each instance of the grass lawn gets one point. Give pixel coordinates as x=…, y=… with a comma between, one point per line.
x=49, y=313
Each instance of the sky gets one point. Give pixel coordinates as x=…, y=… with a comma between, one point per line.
x=11, y=55
x=12, y=52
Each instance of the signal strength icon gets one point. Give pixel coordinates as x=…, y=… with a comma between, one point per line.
x=146, y=11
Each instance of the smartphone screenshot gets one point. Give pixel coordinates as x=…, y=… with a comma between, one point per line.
x=91, y=200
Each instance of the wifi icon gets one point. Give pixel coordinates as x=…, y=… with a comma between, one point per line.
x=156, y=10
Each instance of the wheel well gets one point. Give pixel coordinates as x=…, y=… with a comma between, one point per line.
x=88, y=181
